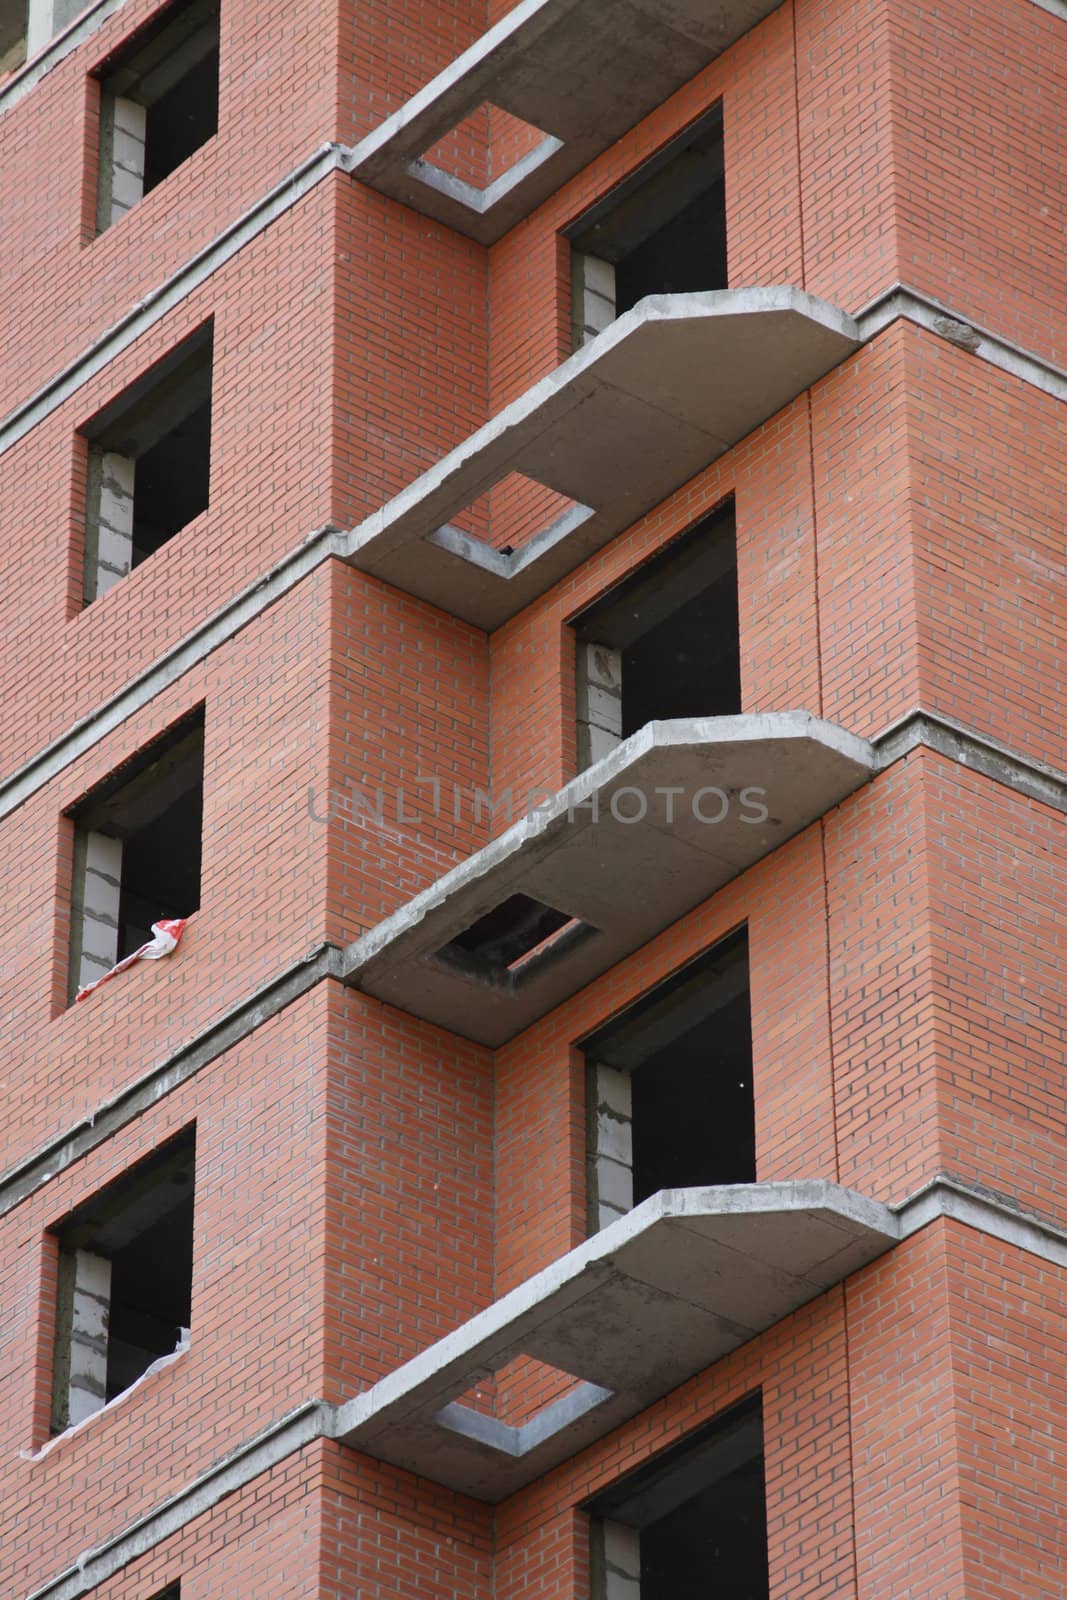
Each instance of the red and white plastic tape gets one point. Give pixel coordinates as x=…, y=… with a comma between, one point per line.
x=167, y=933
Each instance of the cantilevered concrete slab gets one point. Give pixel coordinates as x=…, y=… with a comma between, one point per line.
x=659, y=1295
x=581, y=71
x=640, y=838
x=657, y=396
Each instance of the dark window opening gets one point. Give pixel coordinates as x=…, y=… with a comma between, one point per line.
x=508, y=943
x=125, y=1282
x=690, y=1524
x=13, y=21
x=664, y=643
x=159, y=104
x=137, y=851
x=669, y=1087
x=149, y=463
x=663, y=231
x=173, y=1591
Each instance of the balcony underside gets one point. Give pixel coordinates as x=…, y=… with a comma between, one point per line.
x=622, y=880
x=681, y=1281
x=581, y=71
x=617, y=428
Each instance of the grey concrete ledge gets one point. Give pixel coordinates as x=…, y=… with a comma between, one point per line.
x=1058, y=8
x=816, y=1209
x=988, y=1213
x=902, y=302
x=627, y=848
x=662, y=392
x=56, y=50
x=980, y=752
x=155, y=305
x=300, y=1427
x=581, y=72
x=684, y=1278
x=26, y=1177
x=236, y=614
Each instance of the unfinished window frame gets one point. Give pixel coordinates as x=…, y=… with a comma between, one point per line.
x=175, y=394
x=679, y=574
x=122, y=808
x=633, y=1040
x=137, y=79
x=91, y=1241
x=41, y=21
x=610, y=233
x=732, y=1443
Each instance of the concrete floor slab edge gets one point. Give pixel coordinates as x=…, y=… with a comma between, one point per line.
x=311, y=1420
x=234, y=1025
x=153, y=306
x=56, y=50
x=245, y=607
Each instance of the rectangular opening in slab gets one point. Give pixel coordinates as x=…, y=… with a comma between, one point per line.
x=522, y=1406
x=662, y=231
x=125, y=1276
x=669, y=1089
x=137, y=850
x=690, y=1524
x=159, y=102
x=483, y=156
x=509, y=944
x=149, y=463
x=664, y=643
x=515, y=514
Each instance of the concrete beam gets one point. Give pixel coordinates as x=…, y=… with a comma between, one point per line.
x=685, y=1278
x=580, y=71
x=640, y=838
x=665, y=390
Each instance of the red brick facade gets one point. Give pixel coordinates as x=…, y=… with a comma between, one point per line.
x=366, y=1181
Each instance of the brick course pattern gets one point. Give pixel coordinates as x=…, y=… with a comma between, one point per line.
x=366, y=1182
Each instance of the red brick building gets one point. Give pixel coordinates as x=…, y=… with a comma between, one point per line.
x=538, y=531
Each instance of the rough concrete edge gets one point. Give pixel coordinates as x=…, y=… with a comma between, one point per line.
x=56, y=50
x=19, y=1182
x=314, y=1419
x=181, y=283
x=1055, y=8
x=977, y=751
x=530, y=831
x=996, y=1217
x=245, y=607
x=304, y=1425
x=927, y=312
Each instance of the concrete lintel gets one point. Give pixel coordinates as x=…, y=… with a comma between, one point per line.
x=686, y=1277
x=647, y=833
x=580, y=71
x=617, y=428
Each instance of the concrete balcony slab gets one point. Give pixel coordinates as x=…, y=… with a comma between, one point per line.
x=581, y=71
x=679, y=1282
x=617, y=428
x=636, y=841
